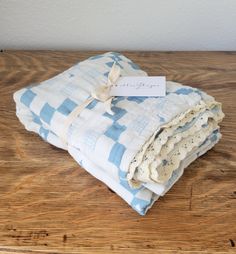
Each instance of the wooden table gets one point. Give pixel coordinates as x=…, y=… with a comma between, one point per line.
x=48, y=204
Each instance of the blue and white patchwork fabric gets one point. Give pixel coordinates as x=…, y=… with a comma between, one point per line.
x=143, y=148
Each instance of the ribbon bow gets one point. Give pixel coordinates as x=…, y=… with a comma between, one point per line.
x=102, y=93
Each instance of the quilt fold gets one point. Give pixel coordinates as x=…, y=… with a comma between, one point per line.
x=143, y=148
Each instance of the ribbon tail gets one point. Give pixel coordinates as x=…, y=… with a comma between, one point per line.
x=107, y=105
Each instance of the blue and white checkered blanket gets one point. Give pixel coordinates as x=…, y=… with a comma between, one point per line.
x=141, y=150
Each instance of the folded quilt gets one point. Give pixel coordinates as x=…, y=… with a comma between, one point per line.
x=143, y=148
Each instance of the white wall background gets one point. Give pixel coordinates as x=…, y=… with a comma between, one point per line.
x=118, y=24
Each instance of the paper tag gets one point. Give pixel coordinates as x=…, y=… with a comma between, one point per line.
x=139, y=86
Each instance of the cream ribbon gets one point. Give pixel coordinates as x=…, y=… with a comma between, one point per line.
x=101, y=93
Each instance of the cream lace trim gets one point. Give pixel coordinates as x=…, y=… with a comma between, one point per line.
x=171, y=146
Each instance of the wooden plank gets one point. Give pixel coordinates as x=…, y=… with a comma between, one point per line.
x=48, y=204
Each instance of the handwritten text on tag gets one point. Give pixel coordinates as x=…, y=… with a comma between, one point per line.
x=139, y=86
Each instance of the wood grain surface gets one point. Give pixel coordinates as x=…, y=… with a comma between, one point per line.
x=48, y=204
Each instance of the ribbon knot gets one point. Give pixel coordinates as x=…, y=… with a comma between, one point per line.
x=102, y=93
